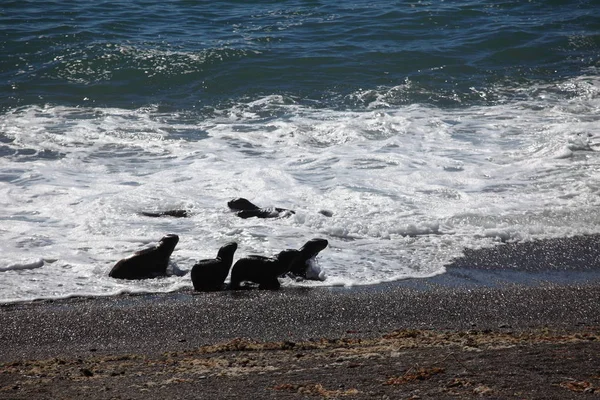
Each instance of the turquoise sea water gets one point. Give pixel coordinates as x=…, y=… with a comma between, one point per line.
x=424, y=127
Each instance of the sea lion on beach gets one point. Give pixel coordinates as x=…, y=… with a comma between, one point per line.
x=262, y=270
x=302, y=265
x=167, y=213
x=210, y=274
x=246, y=209
x=147, y=263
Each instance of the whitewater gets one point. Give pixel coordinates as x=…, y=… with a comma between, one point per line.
x=408, y=186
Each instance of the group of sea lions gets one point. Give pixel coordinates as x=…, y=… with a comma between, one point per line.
x=210, y=274
x=242, y=207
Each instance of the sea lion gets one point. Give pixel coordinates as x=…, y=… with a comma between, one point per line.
x=210, y=274
x=246, y=209
x=147, y=263
x=167, y=213
x=262, y=270
x=302, y=265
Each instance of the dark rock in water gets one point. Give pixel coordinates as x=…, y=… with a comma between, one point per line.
x=210, y=274
x=147, y=263
x=246, y=209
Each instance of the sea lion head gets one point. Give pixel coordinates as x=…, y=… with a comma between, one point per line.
x=313, y=247
x=227, y=251
x=241, y=204
x=305, y=266
x=168, y=243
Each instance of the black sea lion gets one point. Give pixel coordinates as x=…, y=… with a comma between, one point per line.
x=262, y=270
x=210, y=274
x=167, y=213
x=147, y=263
x=301, y=266
x=245, y=209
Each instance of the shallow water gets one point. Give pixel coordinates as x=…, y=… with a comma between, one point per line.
x=424, y=128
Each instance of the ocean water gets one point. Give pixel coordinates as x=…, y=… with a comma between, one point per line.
x=424, y=127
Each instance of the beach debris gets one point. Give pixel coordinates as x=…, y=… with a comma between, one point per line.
x=314, y=390
x=412, y=375
x=482, y=389
x=579, y=386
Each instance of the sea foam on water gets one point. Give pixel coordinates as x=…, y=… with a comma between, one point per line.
x=408, y=187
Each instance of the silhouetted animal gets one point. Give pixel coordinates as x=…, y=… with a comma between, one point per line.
x=245, y=209
x=262, y=270
x=301, y=264
x=210, y=274
x=167, y=213
x=147, y=263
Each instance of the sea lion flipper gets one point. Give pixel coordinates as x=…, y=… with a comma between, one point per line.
x=270, y=284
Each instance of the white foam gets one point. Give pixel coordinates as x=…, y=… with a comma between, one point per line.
x=25, y=264
x=314, y=271
x=407, y=187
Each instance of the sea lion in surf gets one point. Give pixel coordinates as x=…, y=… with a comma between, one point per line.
x=209, y=275
x=148, y=263
x=245, y=209
x=262, y=270
x=301, y=266
x=167, y=213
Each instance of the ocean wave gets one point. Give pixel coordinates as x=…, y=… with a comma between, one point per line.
x=134, y=54
x=25, y=264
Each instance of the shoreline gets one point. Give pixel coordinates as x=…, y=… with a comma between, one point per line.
x=455, y=277
x=157, y=322
x=561, y=261
x=554, y=282
x=503, y=332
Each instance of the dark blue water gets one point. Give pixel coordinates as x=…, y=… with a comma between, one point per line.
x=201, y=55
